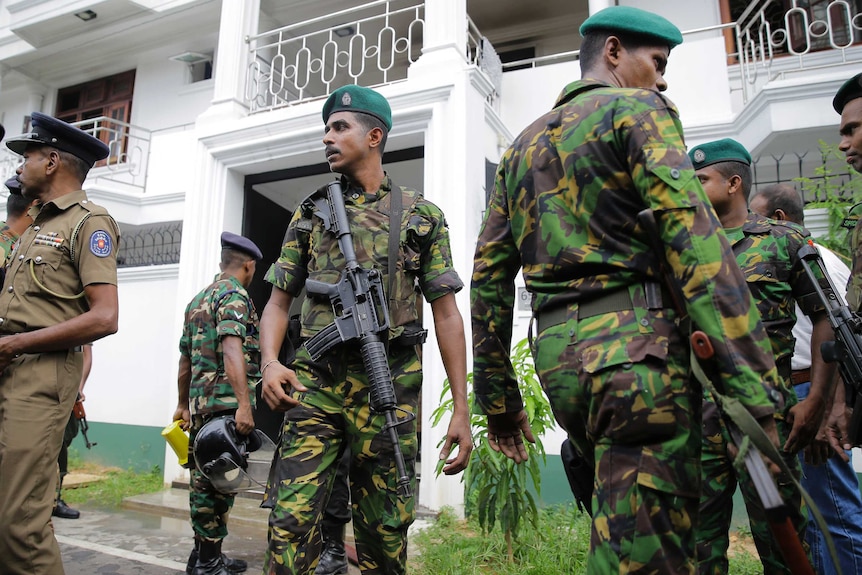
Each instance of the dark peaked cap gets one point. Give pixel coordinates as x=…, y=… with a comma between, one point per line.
x=14, y=185
x=851, y=90
x=48, y=131
x=233, y=241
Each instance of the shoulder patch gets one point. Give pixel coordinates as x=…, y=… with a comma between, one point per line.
x=101, y=244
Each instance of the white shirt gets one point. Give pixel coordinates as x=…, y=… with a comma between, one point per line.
x=839, y=273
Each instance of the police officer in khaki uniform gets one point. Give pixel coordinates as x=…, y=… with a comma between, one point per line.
x=60, y=292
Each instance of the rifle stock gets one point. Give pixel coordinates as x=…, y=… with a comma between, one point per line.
x=361, y=314
x=81, y=416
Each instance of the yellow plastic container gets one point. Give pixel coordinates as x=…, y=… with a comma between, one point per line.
x=178, y=440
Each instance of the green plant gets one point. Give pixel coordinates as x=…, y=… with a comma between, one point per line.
x=498, y=491
x=559, y=545
x=836, y=189
x=115, y=485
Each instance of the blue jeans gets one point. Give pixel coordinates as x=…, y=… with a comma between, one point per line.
x=834, y=487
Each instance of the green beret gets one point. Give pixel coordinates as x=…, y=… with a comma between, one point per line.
x=851, y=90
x=353, y=98
x=630, y=20
x=725, y=150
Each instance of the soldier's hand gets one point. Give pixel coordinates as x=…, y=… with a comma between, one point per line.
x=182, y=414
x=805, y=417
x=506, y=433
x=457, y=434
x=835, y=429
x=279, y=383
x=244, y=420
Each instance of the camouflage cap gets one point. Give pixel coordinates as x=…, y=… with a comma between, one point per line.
x=850, y=90
x=724, y=150
x=233, y=241
x=631, y=20
x=353, y=98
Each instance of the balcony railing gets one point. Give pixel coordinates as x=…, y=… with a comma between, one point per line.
x=766, y=31
x=481, y=53
x=129, y=151
x=372, y=44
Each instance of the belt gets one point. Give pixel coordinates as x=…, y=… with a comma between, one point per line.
x=619, y=300
x=798, y=376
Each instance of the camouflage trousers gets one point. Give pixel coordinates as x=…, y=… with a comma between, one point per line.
x=209, y=508
x=619, y=385
x=334, y=415
x=719, y=482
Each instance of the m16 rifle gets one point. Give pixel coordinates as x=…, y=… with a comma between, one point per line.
x=361, y=314
x=846, y=350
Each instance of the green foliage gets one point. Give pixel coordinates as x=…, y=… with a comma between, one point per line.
x=499, y=492
x=113, y=486
x=836, y=188
x=558, y=544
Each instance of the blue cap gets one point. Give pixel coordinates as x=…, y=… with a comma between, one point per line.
x=14, y=185
x=49, y=131
x=236, y=242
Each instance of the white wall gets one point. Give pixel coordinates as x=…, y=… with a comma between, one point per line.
x=134, y=375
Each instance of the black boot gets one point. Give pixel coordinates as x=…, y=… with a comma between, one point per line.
x=232, y=565
x=60, y=507
x=209, y=560
x=333, y=560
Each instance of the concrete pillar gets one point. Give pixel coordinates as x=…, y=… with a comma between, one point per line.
x=597, y=5
x=445, y=36
x=239, y=18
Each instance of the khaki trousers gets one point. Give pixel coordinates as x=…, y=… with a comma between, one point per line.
x=37, y=392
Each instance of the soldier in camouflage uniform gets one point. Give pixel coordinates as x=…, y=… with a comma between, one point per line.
x=848, y=103
x=219, y=367
x=611, y=351
x=327, y=401
x=766, y=251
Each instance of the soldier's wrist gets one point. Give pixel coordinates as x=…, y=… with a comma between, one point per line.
x=266, y=365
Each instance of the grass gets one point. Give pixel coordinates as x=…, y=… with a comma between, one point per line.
x=457, y=546
x=115, y=485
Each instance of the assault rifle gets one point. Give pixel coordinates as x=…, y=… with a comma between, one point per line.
x=81, y=416
x=735, y=415
x=846, y=350
x=361, y=314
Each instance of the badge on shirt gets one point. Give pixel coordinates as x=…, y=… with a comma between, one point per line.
x=100, y=244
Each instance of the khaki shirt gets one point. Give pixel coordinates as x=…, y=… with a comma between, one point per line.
x=71, y=244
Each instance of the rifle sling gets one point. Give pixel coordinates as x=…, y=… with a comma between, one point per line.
x=395, y=209
x=751, y=430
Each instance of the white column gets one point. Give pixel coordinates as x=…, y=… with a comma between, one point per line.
x=239, y=18
x=445, y=35
x=454, y=180
x=597, y=5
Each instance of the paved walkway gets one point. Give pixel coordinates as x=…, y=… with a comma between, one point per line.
x=151, y=535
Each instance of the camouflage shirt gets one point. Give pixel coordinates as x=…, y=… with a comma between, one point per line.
x=565, y=205
x=425, y=258
x=854, y=284
x=224, y=308
x=7, y=240
x=766, y=251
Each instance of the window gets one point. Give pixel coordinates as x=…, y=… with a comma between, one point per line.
x=107, y=102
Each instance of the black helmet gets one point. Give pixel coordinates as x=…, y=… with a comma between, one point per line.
x=233, y=462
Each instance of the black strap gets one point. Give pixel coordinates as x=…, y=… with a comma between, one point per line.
x=395, y=209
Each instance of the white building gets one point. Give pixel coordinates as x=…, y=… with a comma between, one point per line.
x=212, y=109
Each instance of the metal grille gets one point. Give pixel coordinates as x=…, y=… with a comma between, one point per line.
x=372, y=44
x=150, y=245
